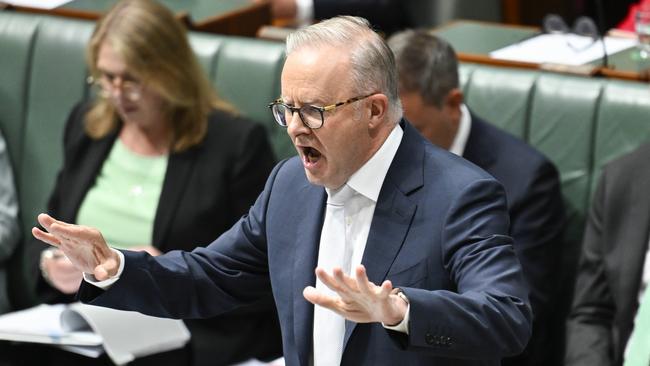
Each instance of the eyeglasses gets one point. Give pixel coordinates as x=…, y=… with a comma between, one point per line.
x=106, y=87
x=311, y=116
x=583, y=26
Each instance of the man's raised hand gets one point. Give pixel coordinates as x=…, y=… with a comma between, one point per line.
x=84, y=246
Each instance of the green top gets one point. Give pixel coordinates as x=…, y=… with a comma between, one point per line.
x=123, y=201
x=199, y=10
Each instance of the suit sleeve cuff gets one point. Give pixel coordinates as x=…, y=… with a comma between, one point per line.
x=106, y=284
x=403, y=326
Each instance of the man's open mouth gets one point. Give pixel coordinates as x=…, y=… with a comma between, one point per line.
x=310, y=155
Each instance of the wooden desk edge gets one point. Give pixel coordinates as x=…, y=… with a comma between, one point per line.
x=66, y=12
x=247, y=20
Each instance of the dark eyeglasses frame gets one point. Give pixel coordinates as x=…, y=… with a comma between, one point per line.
x=583, y=26
x=131, y=89
x=320, y=109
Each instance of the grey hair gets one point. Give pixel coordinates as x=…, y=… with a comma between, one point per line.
x=426, y=64
x=372, y=62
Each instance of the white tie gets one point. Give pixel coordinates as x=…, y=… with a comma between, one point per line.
x=329, y=327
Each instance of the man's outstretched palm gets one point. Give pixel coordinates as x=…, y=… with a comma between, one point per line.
x=84, y=246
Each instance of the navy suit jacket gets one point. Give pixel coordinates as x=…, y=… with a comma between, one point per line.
x=537, y=219
x=439, y=232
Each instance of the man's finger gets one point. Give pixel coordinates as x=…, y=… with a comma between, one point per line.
x=345, y=282
x=45, y=237
x=363, y=283
x=45, y=220
x=328, y=280
x=319, y=298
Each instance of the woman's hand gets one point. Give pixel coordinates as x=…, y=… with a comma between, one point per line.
x=60, y=272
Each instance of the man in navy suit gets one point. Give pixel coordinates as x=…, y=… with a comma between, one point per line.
x=427, y=272
x=433, y=102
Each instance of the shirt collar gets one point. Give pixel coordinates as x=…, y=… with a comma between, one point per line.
x=460, y=141
x=365, y=180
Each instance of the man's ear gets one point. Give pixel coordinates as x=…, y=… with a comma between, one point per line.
x=378, y=109
x=454, y=98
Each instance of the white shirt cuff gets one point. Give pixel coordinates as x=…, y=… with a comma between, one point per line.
x=106, y=284
x=403, y=326
x=304, y=12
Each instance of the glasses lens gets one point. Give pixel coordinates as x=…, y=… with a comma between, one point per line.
x=312, y=116
x=554, y=23
x=585, y=26
x=280, y=113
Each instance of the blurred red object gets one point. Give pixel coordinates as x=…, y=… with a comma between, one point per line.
x=628, y=23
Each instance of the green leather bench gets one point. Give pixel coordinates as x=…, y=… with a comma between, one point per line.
x=43, y=74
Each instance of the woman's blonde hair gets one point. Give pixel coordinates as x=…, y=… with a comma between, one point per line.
x=154, y=46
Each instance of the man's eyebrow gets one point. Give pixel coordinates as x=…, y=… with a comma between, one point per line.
x=314, y=102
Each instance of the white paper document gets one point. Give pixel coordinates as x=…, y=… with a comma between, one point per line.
x=41, y=4
x=90, y=330
x=565, y=49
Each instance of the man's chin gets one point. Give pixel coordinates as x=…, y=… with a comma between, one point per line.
x=320, y=181
x=313, y=179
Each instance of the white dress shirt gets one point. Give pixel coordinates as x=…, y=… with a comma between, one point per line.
x=460, y=140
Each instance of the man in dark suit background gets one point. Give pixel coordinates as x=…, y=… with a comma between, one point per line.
x=612, y=275
x=427, y=273
x=433, y=103
x=387, y=16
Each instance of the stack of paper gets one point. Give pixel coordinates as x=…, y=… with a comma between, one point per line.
x=565, y=49
x=40, y=4
x=88, y=330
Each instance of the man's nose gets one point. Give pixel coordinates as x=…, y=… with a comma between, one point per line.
x=295, y=126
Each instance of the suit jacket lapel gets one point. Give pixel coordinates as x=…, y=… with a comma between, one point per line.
x=312, y=198
x=394, y=211
x=179, y=168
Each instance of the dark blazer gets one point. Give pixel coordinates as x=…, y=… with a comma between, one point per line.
x=205, y=190
x=439, y=232
x=385, y=15
x=611, y=265
x=537, y=220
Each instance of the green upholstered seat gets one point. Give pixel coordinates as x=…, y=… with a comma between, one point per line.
x=234, y=64
x=623, y=122
x=247, y=73
x=502, y=96
x=561, y=125
x=562, y=119
x=15, y=43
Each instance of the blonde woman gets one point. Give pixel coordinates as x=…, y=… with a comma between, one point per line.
x=156, y=161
